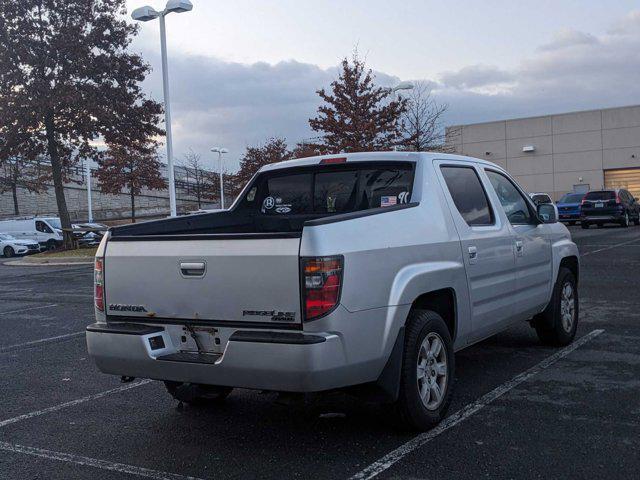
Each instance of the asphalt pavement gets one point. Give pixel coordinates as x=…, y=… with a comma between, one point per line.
x=520, y=410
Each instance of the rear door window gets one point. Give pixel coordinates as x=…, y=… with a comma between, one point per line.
x=331, y=189
x=468, y=195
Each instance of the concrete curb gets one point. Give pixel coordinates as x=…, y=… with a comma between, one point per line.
x=51, y=262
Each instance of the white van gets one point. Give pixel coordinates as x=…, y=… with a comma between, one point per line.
x=47, y=231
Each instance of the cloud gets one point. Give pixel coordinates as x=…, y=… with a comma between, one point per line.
x=476, y=77
x=575, y=71
x=215, y=102
x=568, y=38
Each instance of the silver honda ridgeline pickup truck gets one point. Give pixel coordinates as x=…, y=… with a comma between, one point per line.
x=363, y=272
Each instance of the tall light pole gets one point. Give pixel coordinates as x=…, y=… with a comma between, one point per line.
x=88, y=177
x=145, y=14
x=394, y=92
x=220, y=151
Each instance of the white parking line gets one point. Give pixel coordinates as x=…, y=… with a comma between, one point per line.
x=609, y=247
x=20, y=310
x=20, y=346
x=72, y=403
x=93, y=462
x=461, y=415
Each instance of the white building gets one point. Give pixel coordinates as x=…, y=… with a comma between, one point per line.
x=561, y=153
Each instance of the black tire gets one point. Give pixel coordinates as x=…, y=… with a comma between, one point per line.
x=549, y=324
x=51, y=244
x=410, y=410
x=624, y=223
x=637, y=221
x=8, y=252
x=572, y=223
x=600, y=225
x=196, y=394
x=584, y=225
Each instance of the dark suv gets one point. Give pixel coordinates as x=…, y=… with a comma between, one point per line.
x=609, y=206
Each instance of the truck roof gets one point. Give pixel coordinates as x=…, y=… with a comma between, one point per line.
x=372, y=157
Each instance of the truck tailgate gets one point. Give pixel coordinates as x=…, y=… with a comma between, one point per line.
x=236, y=280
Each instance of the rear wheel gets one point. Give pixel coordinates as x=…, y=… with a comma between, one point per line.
x=636, y=221
x=197, y=394
x=584, y=225
x=557, y=325
x=8, y=252
x=624, y=223
x=572, y=223
x=426, y=379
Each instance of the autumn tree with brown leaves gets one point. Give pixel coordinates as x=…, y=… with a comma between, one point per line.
x=357, y=115
x=66, y=80
x=131, y=169
x=273, y=151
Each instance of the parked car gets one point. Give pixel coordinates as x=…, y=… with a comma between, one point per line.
x=363, y=271
x=540, y=198
x=88, y=238
x=44, y=230
x=569, y=207
x=609, y=206
x=11, y=246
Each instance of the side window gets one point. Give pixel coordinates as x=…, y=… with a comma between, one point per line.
x=468, y=195
x=42, y=227
x=514, y=204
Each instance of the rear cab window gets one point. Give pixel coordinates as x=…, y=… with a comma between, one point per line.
x=321, y=190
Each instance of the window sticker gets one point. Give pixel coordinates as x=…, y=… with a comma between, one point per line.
x=403, y=197
x=388, y=201
x=268, y=203
x=331, y=204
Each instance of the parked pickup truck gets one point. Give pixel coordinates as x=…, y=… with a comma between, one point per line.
x=365, y=271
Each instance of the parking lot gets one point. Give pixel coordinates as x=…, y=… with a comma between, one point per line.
x=519, y=409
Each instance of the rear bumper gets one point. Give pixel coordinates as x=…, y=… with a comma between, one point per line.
x=283, y=361
x=614, y=217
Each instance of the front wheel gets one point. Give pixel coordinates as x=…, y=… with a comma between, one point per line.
x=426, y=379
x=196, y=394
x=558, y=323
x=8, y=252
x=572, y=223
x=584, y=225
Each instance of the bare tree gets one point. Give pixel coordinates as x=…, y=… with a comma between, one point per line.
x=422, y=121
x=18, y=172
x=202, y=179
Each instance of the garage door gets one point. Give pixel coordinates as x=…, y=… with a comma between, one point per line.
x=628, y=178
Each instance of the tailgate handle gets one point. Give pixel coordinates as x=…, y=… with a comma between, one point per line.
x=192, y=269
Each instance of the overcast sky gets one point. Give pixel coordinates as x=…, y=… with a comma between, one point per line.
x=245, y=70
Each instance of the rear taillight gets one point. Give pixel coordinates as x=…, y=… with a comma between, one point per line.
x=584, y=200
x=98, y=280
x=618, y=201
x=321, y=285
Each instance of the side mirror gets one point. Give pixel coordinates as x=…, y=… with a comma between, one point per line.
x=548, y=212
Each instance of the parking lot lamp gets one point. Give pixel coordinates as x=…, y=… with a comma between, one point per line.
x=145, y=14
x=220, y=151
x=88, y=176
x=394, y=92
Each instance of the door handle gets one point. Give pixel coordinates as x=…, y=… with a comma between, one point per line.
x=519, y=248
x=193, y=269
x=473, y=254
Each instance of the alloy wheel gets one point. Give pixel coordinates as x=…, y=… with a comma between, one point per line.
x=567, y=306
x=432, y=371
